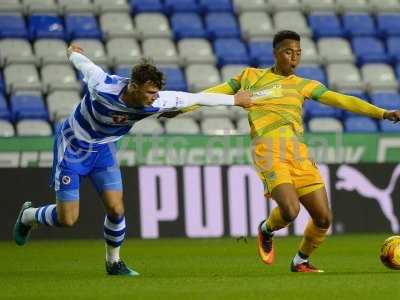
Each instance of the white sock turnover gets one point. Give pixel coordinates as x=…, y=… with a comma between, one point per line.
x=28, y=216
x=297, y=260
x=112, y=254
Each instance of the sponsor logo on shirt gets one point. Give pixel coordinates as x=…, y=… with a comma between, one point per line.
x=273, y=92
x=120, y=118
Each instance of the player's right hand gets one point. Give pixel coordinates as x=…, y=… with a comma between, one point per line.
x=74, y=48
x=243, y=99
x=393, y=116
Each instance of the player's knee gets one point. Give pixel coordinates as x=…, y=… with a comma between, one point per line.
x=290, y=213
x=116, y=212
x=324, y=221
x=114, y=204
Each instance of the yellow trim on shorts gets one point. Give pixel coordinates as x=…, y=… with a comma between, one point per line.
x=309, y=189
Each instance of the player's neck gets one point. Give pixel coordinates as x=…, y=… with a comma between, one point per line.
x=277, y=71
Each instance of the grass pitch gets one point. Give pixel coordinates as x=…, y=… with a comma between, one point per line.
x=195, y=269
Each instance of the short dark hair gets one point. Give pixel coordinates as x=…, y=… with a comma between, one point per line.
x=146, y=71
x=285, y=35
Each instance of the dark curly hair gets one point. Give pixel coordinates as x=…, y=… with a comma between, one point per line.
x=285, y=35
x=146, y=71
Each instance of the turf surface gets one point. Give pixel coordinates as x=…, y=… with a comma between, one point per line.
x=195, y=269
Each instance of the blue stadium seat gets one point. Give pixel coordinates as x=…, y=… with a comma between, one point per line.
x=45, y=26
x=360, y=124
x=261, y=53
x=386, y=99
x=315, y=109
x=325, y=25
x=388, y=24
x=174, y=6
x=230, y=51
x=146, y=6
x=397, y=69
x=26, y=106
x=312, y=72
x=122, y=71
x=369, y=50
x=82, y=26
x=358, y=24
x=12, y=26
x=4, y=111
x=222, y=25
x=215, y=5
x=175, y=80
x=187, y=25
x=393, y=48
x=2, y=84
x=389, y=127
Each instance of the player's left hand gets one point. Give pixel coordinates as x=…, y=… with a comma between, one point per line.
x=393, y=116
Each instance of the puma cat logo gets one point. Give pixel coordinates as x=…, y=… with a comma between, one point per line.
x=353, y=180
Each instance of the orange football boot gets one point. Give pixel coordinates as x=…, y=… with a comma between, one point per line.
x=304, y=267
x=265, y=246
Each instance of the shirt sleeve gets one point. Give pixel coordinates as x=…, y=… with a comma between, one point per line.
x=317, y=91
x=223, y=88
x=92, y=74
x=172, y=100
x=230, y=87
x=235, y=83
x=312, y=89
x=351, y=103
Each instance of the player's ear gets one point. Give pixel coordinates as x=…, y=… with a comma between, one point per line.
x=132, y=87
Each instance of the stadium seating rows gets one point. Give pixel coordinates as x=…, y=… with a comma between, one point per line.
x=349, y=45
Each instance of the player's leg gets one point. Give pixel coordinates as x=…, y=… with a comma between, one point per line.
x=114, y=224
x=288, y=207
x=317, y=205
x=270, y=159
x=106, y=177
x=281, y=216
x=65, y=212
x=109, y=185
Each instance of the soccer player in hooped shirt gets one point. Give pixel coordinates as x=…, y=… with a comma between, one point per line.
x=85, y=146
x=279, y=154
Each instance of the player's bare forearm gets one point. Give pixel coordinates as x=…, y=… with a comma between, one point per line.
x=74, y=48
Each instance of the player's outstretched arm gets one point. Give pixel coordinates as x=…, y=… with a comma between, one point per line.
x=172, y=100
x=352, y=104
x=223, y=88
x=91, y=72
